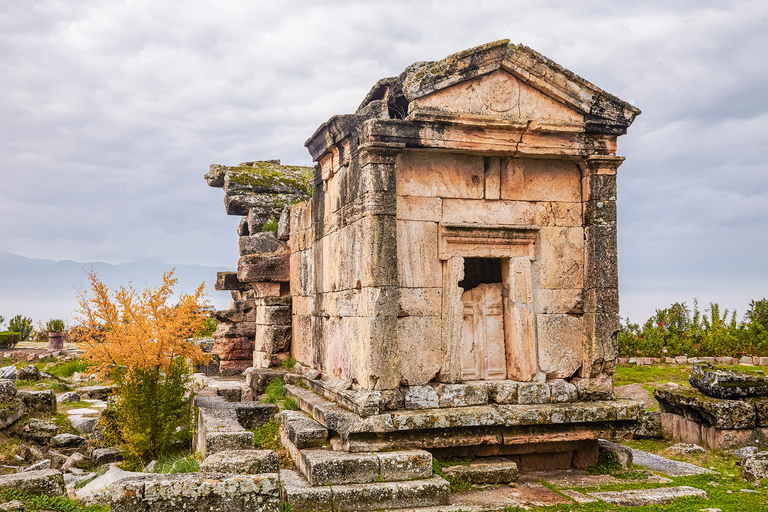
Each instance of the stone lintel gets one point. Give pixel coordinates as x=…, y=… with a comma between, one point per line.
x=229, y=281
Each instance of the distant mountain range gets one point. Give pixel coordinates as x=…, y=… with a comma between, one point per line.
x=45, y=289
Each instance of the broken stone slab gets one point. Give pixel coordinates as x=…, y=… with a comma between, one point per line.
x=754, y=467
x=303, y=431
x=67, y=440
x=695, y=405
x=218, y=428
x=666, y=466
x=194, y=491
x=728, y=384
x=249, y=462
x=84, y=424
x=69, y=396
x=8, y=372
x=642, y=497
x=57, y=458
x=49, y=482
x=77, y=461
x=258, y=378
x=623, y=453
x=483, y=472
x=43, y=464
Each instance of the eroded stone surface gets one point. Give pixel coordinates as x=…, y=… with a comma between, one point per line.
x=719, y=413
x=728, y=384
x=641, y=497
x=241, y=461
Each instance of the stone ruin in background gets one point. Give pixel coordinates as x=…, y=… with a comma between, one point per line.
x=447, y=272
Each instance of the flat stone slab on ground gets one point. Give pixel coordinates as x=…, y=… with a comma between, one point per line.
x=666, y=466
x=640, y=497
x=578, y=478
x=47, y=481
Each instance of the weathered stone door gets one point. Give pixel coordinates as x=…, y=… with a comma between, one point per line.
x=482, y=334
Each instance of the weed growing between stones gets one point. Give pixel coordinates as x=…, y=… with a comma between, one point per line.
x=33, y=503
x=607, y=464
x=439, y=464
x=178, y=463
x=275, y=393
x=267, y=437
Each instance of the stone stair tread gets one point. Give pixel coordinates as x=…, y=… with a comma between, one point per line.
x=322, y=467
x=303, y=431
x=484, y=472
x=303, y=497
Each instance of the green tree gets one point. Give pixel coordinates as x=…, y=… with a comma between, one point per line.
x=21, y=325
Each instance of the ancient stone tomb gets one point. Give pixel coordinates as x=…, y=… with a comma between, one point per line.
x=458, y=249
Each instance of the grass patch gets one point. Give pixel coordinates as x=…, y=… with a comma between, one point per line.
x=178, y=463
x=69, y=368
x=607, y=464
x=45, y=503
x=650, y=376
x=288, y=364
x=275, y=393
x=267, y=437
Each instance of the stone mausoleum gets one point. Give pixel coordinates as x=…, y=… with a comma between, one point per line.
x=446, y=275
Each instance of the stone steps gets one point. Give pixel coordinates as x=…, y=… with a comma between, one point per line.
x=495, y=471
x=303, y=497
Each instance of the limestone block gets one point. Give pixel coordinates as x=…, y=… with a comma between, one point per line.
x=560, y=345
x=419, y=208
x=325, y=467
x=233, y=348
x=597, y=388
x=38, y=400
x=754, y=468
x=600, y=257
x=417, y=262
x=260, y=243
x=390, y=495
x=419, y=344
x=254, y=268
x=422, y=173
x=301, y=339
x=303, y=431
x=249, y=462
x=530, y=179
x=420, y=301
x=272, y=338
x=565, y=214
x=275, y=315
x=722, y=414
x=378, y=301
x=483, y=472
x=229, y=281
x=378, y=237
x=532, y=393
x=600, y=344
x=601, y=300
x=562, y=391
x=641, y=497
x=421, y=397
x=302, y=497
x=504, y=392
x=560, y=264
x=461, y=395
x=560, y=301
x=495, y=213
x=404, y=465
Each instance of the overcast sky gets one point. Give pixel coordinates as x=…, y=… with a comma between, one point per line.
x=112, y=111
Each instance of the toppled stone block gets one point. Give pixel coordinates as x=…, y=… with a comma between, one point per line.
x=69, y=396
x=57, y=459
x=49, y=482
x=11, y=413
x=483, y=472
x=39, y=431
x=28, y=372
x=248, y=462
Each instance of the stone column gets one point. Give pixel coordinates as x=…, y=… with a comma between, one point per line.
x=601, y=283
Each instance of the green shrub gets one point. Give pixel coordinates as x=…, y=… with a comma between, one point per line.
x=22, y=325
x=275, y=393
x=209, y=326
x=270, y=225
x=267, y=436
x=54, y=325
x=8, y=339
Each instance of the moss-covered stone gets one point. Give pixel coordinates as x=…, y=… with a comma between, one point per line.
x=728, y=383
x=696, y=406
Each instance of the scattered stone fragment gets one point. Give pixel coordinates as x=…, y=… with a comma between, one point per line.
x=641, y=497
x=28, y=372
x=77, y=460
x=67, y=440
x=685, y=449
x=8, y=372
x=13, y=410
x=39, y=431
x=69, y=396
x=43, y=464
x=150, y=468
x=57, y=458
x=755, y=467
x=103, y=456
x=44, y=401
x=666, y=466
x=7, y=389
x=740, y=453
x=85, y=424
x=95, y=392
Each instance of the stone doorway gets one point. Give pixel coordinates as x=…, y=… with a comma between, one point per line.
x=482, y=333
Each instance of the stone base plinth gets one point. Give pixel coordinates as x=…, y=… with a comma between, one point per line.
x=683, y=430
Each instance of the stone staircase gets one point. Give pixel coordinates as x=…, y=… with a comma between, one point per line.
x=342, y=481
